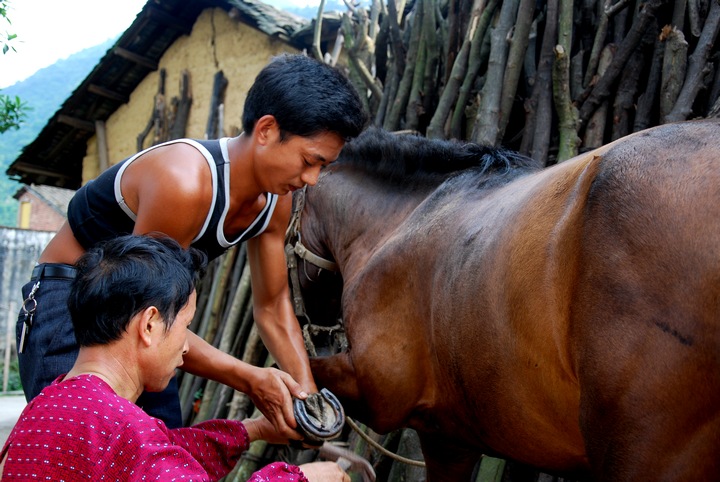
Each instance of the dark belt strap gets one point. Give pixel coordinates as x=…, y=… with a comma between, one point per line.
x=53, y=270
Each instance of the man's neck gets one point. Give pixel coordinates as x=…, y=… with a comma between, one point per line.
x=243, y=187
x=106, y=365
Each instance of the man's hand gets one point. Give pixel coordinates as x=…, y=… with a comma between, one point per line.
x=324, y=472
x=260, y=428
x=271, y=390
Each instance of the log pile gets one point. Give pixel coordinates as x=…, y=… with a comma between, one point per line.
x=548, y=78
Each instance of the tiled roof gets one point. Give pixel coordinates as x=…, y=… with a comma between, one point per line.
x=55, y=156
x=56, y=197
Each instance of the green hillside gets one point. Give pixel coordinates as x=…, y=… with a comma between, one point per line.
x=44, y=92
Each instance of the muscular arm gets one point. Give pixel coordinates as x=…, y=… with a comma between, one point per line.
x=170, y=191
x=272, y=308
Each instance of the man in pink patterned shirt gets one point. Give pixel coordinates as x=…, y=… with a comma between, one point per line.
x=131, y=303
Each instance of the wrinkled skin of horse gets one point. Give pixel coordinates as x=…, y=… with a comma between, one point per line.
x=568, y=318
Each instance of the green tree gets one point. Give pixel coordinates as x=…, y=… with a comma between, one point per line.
x=12, y=109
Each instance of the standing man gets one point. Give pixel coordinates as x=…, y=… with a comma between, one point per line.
x=210, y=195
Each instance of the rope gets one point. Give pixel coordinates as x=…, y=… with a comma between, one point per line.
x=380, y=448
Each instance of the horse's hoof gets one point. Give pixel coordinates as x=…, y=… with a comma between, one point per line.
x=319, y=417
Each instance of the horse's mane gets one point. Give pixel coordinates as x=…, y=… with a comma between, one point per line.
x=412, y=158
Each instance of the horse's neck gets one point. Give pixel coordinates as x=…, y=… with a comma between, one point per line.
x=363, y=218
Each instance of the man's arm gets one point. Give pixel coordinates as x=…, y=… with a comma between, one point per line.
x=272, y=308
x=268, y=388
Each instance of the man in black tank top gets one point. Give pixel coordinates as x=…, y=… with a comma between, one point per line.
x=210, y=195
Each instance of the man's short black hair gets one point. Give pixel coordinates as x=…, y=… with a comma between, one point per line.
x=306, y=97
x=119, y=278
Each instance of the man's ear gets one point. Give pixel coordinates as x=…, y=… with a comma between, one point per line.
x=266, y=130
x=149, y=325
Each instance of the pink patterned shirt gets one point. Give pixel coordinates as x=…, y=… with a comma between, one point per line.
x=80, y=429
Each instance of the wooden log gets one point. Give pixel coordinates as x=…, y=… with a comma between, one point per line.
x=431, y=85
x=414, y=107
x=513, y=67
x=600, y=34
x=317, y=51
x=541, y=116
x=408, y=447
x=601, y=90
x=697, y=67
x=595, y=131
x=181, y=108
x=436, y=128
x=217, y=97
x=158, y=103
x=673, y=69
x=695, y=17
x=624, y=105
x=400, y=100
x=359, y=69
x=486, y=126
x=568, y=120
x=475, y=61
x=253, y=348
x=567, y=113
x=647, y=102
x=678, y=16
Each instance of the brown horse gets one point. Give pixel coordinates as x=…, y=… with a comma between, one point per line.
x=567, y=318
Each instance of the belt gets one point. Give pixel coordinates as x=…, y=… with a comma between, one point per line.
x=53, y=270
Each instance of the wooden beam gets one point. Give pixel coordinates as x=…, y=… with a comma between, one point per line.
x=133, y=57
x=103, y=156
x=76, y=123
x=169, y=20
x=25, y=168
x=107, y=93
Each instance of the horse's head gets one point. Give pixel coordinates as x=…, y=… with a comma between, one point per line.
x=315, y=278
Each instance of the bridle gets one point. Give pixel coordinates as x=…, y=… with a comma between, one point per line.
x=294, y=250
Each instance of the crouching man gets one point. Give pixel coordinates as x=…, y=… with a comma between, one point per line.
x=131, y=303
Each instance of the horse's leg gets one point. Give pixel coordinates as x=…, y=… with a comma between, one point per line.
x=337, y=374
x=446, y=460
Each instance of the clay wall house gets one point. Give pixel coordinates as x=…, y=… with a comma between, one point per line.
x=165, y=78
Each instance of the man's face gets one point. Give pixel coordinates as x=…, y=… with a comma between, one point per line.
x=172, y=347
x=296, y=162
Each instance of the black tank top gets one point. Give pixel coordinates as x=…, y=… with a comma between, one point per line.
x=98, y=212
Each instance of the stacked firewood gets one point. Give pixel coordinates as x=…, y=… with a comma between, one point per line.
x=549, y=78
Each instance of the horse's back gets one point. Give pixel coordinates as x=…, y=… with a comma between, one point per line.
x=566, y=318
x=593, y=285
x=646, y=310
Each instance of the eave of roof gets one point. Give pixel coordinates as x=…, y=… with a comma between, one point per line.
x=55, y=157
